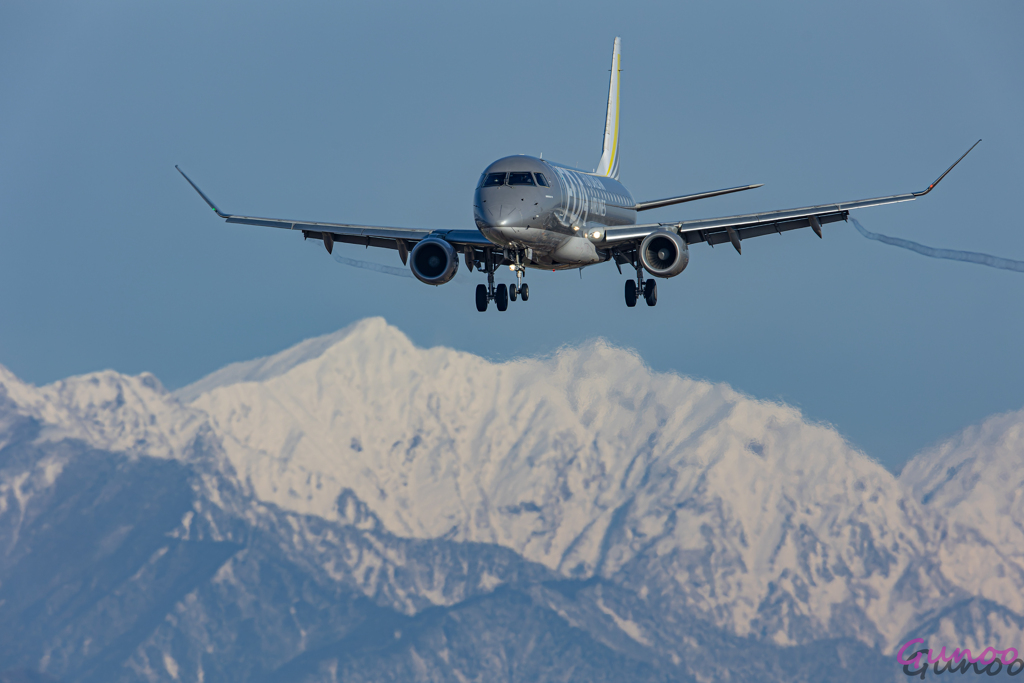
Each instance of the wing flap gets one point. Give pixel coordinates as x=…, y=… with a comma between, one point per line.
x=751, y=224
x=339, y=229
x=361, y=240
x=761, y=229
x=784, y=215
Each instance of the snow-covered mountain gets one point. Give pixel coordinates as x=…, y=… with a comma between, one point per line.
x=974, y=482
x=277, y=510
x=589, y=463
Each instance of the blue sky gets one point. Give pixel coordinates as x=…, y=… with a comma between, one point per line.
x=387, y=113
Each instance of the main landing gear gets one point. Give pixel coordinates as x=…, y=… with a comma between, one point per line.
x=648, y=289
x=501, y=294
x=522, y=290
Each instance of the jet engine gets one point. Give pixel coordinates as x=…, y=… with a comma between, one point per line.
x=433, y=261
x=664, y=254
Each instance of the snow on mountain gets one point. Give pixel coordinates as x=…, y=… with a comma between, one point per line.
x=975, y=482
x=366, y=461
x=590, y=464
x=137, y=417
x=117, y=566
x=109, y=411
x=264, y=368
x=106, y=411
x=123, y=567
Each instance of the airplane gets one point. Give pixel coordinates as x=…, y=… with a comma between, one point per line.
x=534, y=213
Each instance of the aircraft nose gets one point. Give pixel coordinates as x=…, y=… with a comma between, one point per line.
x=488, y=215
x=501, y=215
x=509, y=214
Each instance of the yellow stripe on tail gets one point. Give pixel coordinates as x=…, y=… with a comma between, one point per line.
x=609, y=165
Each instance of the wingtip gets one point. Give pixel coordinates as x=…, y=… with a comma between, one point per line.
x=939, y=179
x=202, y=194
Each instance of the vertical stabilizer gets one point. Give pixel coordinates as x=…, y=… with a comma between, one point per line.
x=609, y=165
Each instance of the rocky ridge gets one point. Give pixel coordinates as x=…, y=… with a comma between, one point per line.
x=639, y=519
x=592, y=465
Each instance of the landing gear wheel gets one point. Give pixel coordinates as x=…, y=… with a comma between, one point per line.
x=630, y=293
x=524, y=292
x=501, y=297
x=481, y=298
x=513, y=292
x=651, y=292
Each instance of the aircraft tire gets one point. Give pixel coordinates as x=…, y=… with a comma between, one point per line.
x=524, y=292
x=513, y=292
x=651, y=292
x=630, y=293
x=481, y=298
x=501, y=297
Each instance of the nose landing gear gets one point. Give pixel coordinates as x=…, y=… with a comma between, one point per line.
x=520, y=269
x=501, y=294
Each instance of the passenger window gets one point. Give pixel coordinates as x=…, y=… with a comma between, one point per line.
x=520, y=179
x=492, y=179
x=541, y=180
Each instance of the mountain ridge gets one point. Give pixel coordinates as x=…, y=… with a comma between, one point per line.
x=572, y=460
x=687, y=497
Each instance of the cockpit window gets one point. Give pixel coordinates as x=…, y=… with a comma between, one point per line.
x=525, y=178
x=541, y=180
x=493, y=179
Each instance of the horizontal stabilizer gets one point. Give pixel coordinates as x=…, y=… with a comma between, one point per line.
x=658, y=203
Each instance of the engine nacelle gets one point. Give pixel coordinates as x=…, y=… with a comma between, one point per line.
x=433, y=261
x=664, y=254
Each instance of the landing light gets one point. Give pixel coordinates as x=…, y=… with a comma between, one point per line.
x=512, y=266
x=596, y=234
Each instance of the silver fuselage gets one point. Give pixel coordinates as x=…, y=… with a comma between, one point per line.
x=553, y=225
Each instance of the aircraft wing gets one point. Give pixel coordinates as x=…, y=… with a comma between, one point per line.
x=400, y=239
x=735, y=229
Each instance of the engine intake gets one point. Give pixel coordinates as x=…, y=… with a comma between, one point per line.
x=433, y=261
x=664, y=254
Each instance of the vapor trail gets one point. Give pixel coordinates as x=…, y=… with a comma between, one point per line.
x=951, y=254
x=369, y=265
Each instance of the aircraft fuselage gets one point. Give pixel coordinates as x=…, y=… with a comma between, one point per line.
x=557, y=224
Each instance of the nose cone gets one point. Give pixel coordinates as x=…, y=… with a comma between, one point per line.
x=487, y=214
x=510, y=215
x=501, y=212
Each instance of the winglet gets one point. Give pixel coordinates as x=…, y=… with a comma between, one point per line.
x=201, y=194
x=932, y=186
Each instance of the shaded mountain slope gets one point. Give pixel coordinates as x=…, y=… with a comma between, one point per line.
x=576, y=517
